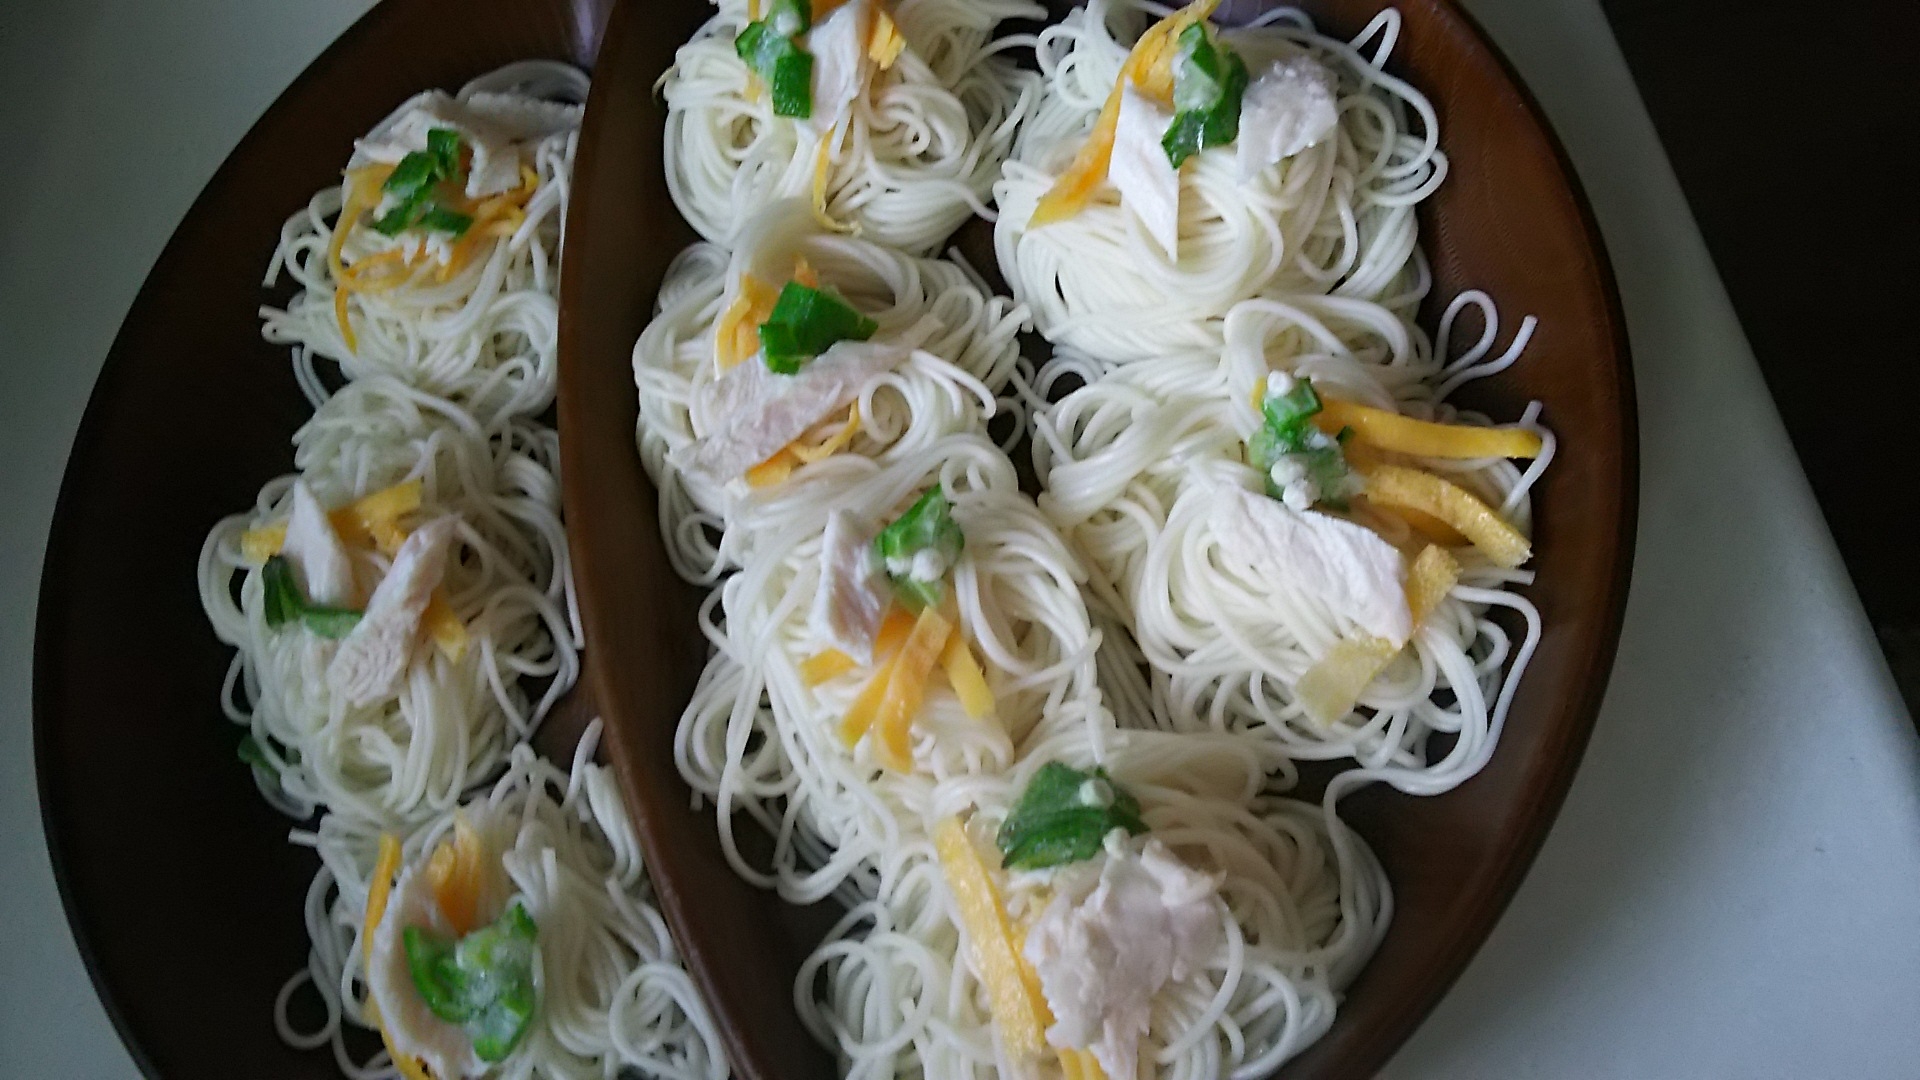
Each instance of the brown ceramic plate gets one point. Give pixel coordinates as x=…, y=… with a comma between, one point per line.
x=1510, y=219
x=182, y=890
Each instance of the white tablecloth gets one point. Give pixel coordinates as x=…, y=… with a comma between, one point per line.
x=1733, y=889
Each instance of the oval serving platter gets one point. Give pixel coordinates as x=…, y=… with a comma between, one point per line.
x=1510, y=219
x=183, y=894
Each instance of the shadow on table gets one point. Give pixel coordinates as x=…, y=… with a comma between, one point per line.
x=1788, y=126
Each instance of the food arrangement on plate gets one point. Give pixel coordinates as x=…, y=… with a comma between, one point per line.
x=1074, y=434
x=1041, y=750
x=403, y=612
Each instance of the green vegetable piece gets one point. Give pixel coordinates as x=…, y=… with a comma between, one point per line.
x=1291, y=412
x=1064, y=816
x=284, y=603
x=918, y=595
x=255, y=755
x=791, y=84
x=330, y=622
x=499, y=960
x=1289, y=432
x=752, y=41
x=399, y=219
x=1183, y=137
x=927, y=525
x=444, y=144
x=412, y=185
x=1225, y=119
x=806, y=322
x=441, y=219
x=414, y=176
x=483, y=982
x=1288, y=424
x=442, y=985
x=1209, y=83
x=1199, y=72
x=783, y=65
x=423, y=214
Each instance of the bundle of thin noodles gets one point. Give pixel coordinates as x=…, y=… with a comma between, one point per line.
x=1208, y=934
x=892, y=120
x=732, y=427
x=512, y=936
x=401, y=605
x=837, y=701
x=1145, y=200
x=1307, y=545
x=899, y=668
x=436, y=259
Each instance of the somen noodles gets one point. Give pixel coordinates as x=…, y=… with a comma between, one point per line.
x=958, y=357
x=1045, y=754
x=461, y=300
x=607, y=979
x=1330, y=225
x=913, y=109
x=503, y=636
x=402, y=606
x=1137, y=464
x=766, y=740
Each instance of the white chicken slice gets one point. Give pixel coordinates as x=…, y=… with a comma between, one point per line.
x=530, y=119
x=748, y=414
x=321, y=564
x=1103, y=954
x=1290, y=107
x=839, y=48
x=1148, y=183
x=495, y=127
x=410, y=1023
x=372, y=660
x=1347, y=567
x=853, y=596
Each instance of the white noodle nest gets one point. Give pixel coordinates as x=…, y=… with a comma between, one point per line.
x=914, y=159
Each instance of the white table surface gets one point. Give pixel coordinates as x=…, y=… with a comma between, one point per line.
x=1733, y=888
